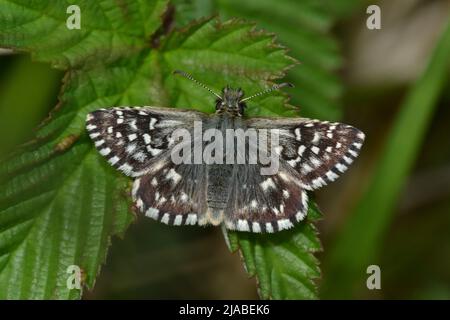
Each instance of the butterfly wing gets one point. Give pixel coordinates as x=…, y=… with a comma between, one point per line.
x=318, y=151
x=138, y=141
x=311, y=154
x=263, y=203
x=132, y=139
x=172, y=194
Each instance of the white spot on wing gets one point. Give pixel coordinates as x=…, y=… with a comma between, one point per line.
x=136, y=184
x=298, y=134
x=147, y=138
x=332, y=176
x=242, y=225
x=152, y=123
x=99, y=143
x=133, y=125
x=284, y=176
x=114, y=160
x=284, y=224
x=191, y=219
x=162, y=200
x=341, y=167
x=306, y=169
x=184, y=197
x=178, y=220
x=139, y=156
x=348, y=160
x=158, y=165
x=293, y=163
x=319, y=182
x=300, y=216
x=105, y=151
x=316, y=138
x=139, y=203
x=256, y=227
x=152, y=213
x=316, y=162
x=301, y=149
x=353, y=153
x=126, y=168
x=268, y=183
x=165, y=218
x=130, y=148
x=94, y=135
x=173, y=175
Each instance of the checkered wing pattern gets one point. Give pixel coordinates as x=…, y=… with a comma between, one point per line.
x=318, y=151
x=132, y=139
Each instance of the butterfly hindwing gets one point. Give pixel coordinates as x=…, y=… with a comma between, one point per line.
x=264, y=203
x=172, y=194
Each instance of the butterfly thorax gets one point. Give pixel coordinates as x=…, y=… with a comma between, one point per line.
x=230, y=103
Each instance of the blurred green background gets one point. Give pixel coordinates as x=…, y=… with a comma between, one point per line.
x=392, y=208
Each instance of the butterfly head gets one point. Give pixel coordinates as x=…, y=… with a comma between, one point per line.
x=231, y=102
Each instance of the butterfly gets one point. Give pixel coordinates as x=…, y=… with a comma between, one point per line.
x=140, y=142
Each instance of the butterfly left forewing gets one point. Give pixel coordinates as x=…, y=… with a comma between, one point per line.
x=132, y=139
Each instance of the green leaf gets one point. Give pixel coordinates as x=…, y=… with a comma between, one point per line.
x=304, y=27
x=363, y=231
x=42, y=85
x=108, y=30
x=59, y=200
x=284, y=265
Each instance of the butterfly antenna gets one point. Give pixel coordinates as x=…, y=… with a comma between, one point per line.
x=275, y=87
x=188, y=76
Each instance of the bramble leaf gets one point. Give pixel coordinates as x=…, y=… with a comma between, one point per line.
x=283, y=263
x=60, y=202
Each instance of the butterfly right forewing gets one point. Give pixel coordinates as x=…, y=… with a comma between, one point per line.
x=318, y=151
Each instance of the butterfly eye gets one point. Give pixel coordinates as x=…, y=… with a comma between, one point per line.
x=219, y=104
x=242, y=106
